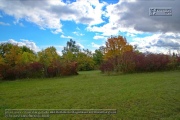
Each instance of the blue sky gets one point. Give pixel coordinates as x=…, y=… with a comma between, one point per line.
x=40, y=24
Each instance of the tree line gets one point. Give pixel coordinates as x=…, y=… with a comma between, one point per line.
x=18, y=62
x=117, y=56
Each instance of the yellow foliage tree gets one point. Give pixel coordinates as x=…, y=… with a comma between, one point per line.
x=48, y=55
x=13, y=57
x=1, y=60
x=116, y=46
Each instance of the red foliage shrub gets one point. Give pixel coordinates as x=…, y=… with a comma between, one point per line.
x=151, y=62
x=20, y=71
x=107, y=65
x=178, y=61
x=74, y=66
x=136, y=62
x=7, y=72
x=69, y=68
x=35, y=66
x=51, y=71
x=35, y=70
x=54, y=69
x=10, y=74
x=140, y=62
x=58, y=68
x=124, y=63
x=3, y=70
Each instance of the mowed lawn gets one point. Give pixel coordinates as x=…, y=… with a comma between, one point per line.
x=135, y=96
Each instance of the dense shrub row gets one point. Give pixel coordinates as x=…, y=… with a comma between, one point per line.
x=38, y=70
x=21, y=62
x=139, y=62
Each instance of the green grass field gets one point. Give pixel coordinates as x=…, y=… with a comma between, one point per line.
x=135, y=96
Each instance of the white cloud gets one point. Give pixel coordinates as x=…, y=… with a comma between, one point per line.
x=17, y=22
x=130, y=34
x=47, y=14
x=33, y=11
x=95, y=45
x=62, y=36
x=4, y=24
x=29, y=44
x=77, y=28
x=132, y=16
x=158, y=43
x=128, y=14
x=89, y=11
x=112, y=29
x=79, y=44
x=122, y=16
x=59, y=46
x=96, y=37
x=78, y=34
x=59, y=49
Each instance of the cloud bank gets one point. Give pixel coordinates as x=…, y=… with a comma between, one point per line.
x=131, y=16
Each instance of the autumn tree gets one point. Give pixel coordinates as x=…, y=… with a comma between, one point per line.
x=18, y=62
x=5, y=48
x=114, y=52
x=48, y=56
x=1, y=60
x=13, y=56
x=14, y=60
x=116, y=46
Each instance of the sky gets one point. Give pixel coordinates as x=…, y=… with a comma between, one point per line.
x=39, y=24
